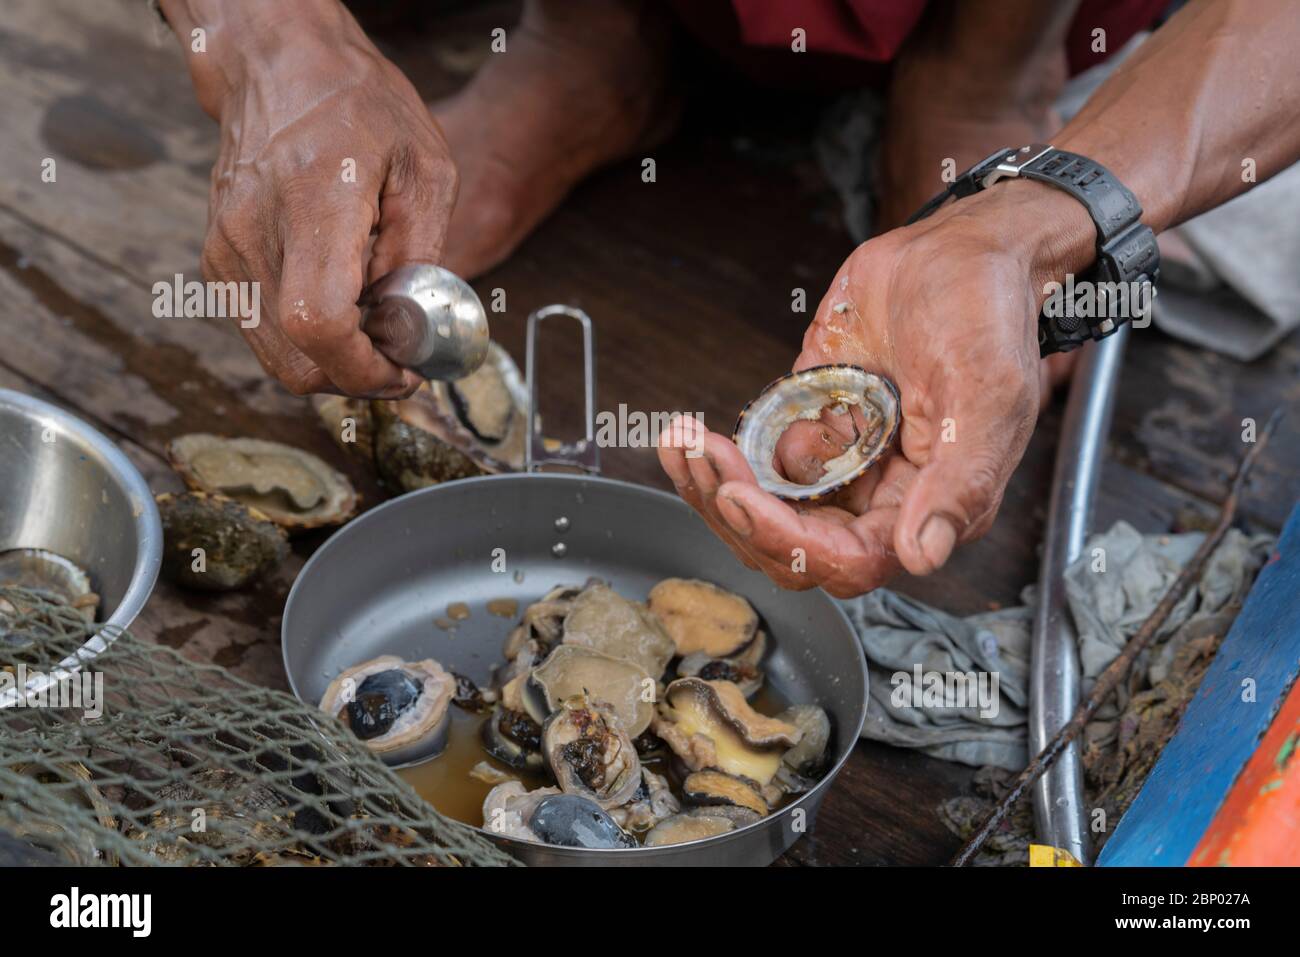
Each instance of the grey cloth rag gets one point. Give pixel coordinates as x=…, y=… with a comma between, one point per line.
x=1229, y=281
x=1111, y=589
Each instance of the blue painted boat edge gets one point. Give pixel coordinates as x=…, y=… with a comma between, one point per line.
x=1220, y=730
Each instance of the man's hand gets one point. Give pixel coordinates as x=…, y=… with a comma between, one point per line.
x=948, y=310
x=323, y=143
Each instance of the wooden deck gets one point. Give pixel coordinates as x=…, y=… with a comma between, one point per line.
x=686, y=280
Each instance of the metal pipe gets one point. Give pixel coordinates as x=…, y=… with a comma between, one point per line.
x=1060, y=818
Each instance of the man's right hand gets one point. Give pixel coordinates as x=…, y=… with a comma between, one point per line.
x=324, y=142
x=948, y=310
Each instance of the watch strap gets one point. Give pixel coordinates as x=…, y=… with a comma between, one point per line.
x=1126, y=248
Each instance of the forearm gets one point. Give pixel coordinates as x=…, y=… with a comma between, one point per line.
x=241, y=36
x=1214, y=87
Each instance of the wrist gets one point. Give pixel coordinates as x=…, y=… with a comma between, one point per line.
x=244, y=41
x=1046, y=230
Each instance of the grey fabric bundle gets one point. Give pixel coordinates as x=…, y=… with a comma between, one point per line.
x=1111, y=589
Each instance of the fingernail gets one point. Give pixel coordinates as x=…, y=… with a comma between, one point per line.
x=741, y=524
x=938, y=536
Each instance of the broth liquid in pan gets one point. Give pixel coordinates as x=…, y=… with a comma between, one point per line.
x=445, y=781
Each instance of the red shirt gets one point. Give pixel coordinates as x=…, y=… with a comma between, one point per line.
x=858, y=32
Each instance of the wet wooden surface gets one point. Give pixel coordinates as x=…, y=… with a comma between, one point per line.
x=689, y=281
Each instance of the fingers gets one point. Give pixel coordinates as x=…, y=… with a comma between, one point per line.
x=679, y=446
x=822, y=545
x=415, y=206
x=817, y=547
x=320, y=282
x=955, y=496
x=222, y=262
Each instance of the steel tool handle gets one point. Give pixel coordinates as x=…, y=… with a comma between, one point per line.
x=428, y=319
x=584, y=453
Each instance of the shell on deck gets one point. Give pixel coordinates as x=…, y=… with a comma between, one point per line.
x=805, y=395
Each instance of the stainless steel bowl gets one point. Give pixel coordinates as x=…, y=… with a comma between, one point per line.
x=66, y=488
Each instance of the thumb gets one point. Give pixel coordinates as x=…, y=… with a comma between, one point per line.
x=956, y=495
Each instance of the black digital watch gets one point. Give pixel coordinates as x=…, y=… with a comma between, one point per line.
x=1126, y=249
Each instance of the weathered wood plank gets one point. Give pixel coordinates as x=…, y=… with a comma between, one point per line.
x=238, y=629
x=89, y=86
x=882, y=810
x=1181, y=416
x=89, y=335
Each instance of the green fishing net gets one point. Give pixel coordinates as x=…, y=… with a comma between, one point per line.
x=145, y=757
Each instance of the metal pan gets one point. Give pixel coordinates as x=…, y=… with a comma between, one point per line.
x=378, y=584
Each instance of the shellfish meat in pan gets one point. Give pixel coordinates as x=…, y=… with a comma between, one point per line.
x=602, y=619
x=580, y=707
x=697, y=824
x=651, y=803
x=513, y=737
x=589, y=752
x=807, y=395
x=701, y=617
x=708, y=724
x=572, y=821
x=743, y=669
x=400, y=709
x=574, y=669
x=548, y=815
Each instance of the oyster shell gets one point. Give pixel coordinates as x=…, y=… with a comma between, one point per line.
x=714, y=787
x=452, y=430
x=54, y=577
x=589, y=752
x=407, y=455
x=602, y=619
x=708, y=724
x=400, y=709
x=241, y=819
x=239, y=543
x=349, y=423
x=807, y=395
x=484, y=401
x=293, y=488
x=743, y=669
x=702, y=617
x=69, y=783
x=573, y=670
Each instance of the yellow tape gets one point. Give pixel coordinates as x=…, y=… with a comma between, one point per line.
x=1044, y=855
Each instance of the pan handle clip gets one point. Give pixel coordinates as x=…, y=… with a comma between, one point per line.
x=582, y=454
